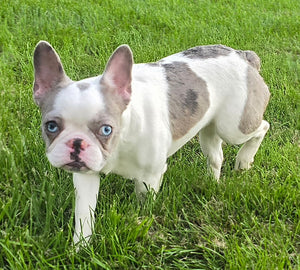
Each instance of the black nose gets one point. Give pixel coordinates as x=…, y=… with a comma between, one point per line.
x=77, y=145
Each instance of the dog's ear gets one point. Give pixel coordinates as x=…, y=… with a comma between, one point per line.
x=117, y=74
x=49, y=72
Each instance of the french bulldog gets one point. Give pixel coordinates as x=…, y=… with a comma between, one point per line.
x=131, y=118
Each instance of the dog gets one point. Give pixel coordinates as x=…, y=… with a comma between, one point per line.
x=131, y=118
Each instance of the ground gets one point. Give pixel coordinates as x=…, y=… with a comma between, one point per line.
x=249, y=220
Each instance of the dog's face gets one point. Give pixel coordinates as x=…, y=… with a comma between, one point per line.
x=81, y=121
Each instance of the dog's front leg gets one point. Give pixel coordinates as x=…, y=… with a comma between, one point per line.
x=86, y=192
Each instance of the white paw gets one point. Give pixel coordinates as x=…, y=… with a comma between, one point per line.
x=80, y=242
x=242, y=164
x=216, y=173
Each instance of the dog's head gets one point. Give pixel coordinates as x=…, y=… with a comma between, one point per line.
x=81, y=120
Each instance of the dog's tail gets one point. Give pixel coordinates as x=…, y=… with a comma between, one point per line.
x=252, y=58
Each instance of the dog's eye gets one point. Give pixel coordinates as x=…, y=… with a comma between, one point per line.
x=105, y=130
x=52, y=127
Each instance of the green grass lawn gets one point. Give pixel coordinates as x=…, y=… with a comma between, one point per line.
x=250, y=220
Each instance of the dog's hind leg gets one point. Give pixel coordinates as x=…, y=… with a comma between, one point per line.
x=211, y=145
x=245, y=156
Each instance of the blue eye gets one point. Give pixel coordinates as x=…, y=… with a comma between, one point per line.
x=52, y=126
x=105, y=130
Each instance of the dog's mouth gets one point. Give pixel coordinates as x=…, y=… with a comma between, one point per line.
x=76, y=166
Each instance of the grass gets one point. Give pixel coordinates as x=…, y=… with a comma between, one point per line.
x=250, y=220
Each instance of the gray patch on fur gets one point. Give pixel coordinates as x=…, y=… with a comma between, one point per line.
x=83, y=86
x=205, y=52
x=153, y=64
x=188, y=98
x=111, y=115
x=46, y=107
x=251, y=57
x=256, y=103
x=47, y=103
x=47, y=136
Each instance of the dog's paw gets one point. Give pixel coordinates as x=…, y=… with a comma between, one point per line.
x=242, y=164
x=80, y=241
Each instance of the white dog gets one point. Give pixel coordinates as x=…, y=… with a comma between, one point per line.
x=131, y=118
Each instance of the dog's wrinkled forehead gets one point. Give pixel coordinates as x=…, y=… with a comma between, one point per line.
x=79, y=101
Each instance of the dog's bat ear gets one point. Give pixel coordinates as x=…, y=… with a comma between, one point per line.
x=117, y=74
x=48, y=71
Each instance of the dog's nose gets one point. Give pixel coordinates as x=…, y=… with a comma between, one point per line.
x=77, y=143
